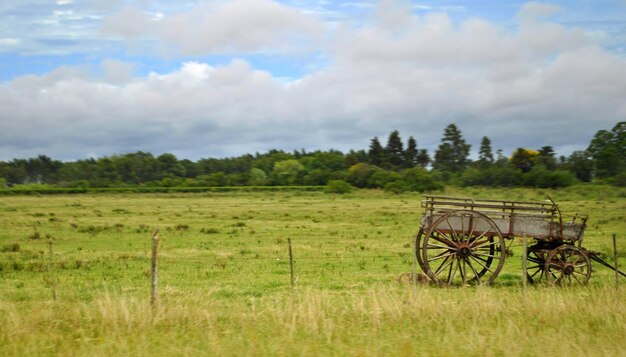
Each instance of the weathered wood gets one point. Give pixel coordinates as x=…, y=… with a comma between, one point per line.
x=154, y=269
x=525, y=263
x=615, y=259
x=540, y=220
x=51, y=272
x=290, y=262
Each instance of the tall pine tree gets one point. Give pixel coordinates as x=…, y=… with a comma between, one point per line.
x=376, y=152
x=452, y=154
x=485, y=154
x=394, y=152
x=423, y=159
x=410, y=154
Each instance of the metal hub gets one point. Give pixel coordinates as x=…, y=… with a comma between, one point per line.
x=568, y=269
x=464, y=251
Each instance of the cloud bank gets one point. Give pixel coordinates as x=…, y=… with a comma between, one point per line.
x=539, y=84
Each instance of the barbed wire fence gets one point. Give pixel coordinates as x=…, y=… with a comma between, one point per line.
x=45, y=258
x=52, y=263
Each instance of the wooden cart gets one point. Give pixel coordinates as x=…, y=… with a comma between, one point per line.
x=462, y=241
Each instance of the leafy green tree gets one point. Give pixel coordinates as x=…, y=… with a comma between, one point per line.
x=580, y=164
x=216, y=179
x=524, y=159
x=287, y=172
x=266, y=161
x=170, y=166
x=107, y=170
x=257, y=177
x=375, y=155
x=501, y=160
x=381, y=177
x=316, y=177
x=137, y=167
x=330, y=161
x=167, y=161
x=475, y=177
x=359, y=174
x=540, y=176
x=190, y=168
x=608, y=150
x=547, y=158
x=355, y=157
x=452, y=154
x=394, y=152
x=13, y=172
x=420, y=180
x=41, y=169
x=504, y=175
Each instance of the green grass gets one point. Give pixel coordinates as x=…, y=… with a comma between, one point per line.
x=224, y=280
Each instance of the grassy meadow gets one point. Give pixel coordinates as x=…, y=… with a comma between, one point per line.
x=224, y=278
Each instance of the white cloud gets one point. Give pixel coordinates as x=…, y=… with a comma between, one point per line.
x=9, y=41
x=117, y=71
x=533, y=11
x=218, y=27
x=129, y=23
x=539, y=84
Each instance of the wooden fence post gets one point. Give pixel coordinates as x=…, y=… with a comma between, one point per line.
x=290, y=262
x=525, y=263
x=51, y=271
x=615, y=259
x=154, y=278
x=414, y=270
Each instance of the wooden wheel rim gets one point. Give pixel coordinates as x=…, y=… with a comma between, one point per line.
x=470, y=251
x=568, y=265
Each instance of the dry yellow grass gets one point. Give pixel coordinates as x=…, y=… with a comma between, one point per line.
x=382, y=320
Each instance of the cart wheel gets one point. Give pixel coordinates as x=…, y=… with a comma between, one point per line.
x=568, y=265
x=418, y=242
x=535, y=271
x=463, y=247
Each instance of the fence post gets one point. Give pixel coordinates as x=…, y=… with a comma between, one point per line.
x=51, y=271
x=615, y=259
x=414, y=270
x=290, y=262
x=525, y=262
x=154, y=278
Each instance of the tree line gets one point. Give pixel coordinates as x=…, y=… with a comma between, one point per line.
x=394, y=166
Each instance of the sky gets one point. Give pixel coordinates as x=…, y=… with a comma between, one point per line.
x=200, y=79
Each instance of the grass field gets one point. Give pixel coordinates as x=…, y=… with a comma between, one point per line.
x=224, y=278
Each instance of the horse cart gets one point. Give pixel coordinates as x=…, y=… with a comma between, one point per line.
x=463, y=241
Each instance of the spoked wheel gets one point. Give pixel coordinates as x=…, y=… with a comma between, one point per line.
x=568, y=265
x=535, y=271
x=463, y=247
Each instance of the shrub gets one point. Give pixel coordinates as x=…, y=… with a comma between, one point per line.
x=397, y=187
x=380, y=178
x=359, y=174
x=420, y=180
x=539, y=176
x=505, y=175
x=618, y=180
x=13, y=247
x=474, y=177
x=558, y=178
x=338, y=186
